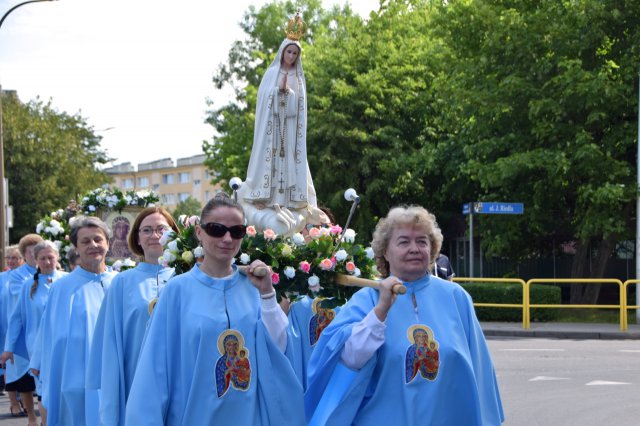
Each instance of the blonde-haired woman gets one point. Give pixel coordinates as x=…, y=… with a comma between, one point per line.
x=419, y=358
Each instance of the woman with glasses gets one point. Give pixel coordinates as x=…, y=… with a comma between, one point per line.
x=124, y=315
x=215, y=349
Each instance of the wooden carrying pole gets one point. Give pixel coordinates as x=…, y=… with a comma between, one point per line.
x=342, y=279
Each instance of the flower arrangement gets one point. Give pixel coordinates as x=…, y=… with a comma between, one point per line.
x=308, y=266
x=300, y=266
x=115, y=199
x=55, y=228
x=182, y=248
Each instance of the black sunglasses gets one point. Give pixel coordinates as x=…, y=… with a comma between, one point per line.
x=218, y=230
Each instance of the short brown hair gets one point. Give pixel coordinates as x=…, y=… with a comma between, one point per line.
x=27, y=241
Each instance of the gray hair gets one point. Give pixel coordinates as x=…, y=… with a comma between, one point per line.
x=87, y=222
x=44, y=245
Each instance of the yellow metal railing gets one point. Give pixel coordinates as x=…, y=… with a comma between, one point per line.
x=525, y=295
x=620, y=306
x=526, y=306
x=625, y=286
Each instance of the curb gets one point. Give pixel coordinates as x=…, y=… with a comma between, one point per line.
x=562, y=331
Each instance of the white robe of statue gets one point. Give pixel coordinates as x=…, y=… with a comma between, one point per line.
x=278, y=192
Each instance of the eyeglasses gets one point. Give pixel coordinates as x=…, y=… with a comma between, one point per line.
x=218, y=230
x=308, y=226
x=147, y=231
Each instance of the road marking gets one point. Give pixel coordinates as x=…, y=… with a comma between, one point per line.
x=532, y=350
x=629, y=350
x=547, y=378
x=605, y=383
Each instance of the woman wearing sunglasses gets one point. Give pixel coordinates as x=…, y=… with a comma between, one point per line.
x=215, y=347
x=124, y=315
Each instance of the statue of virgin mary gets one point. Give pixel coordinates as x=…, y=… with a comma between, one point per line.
x=278, y=192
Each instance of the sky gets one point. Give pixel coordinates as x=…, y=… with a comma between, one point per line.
x=139, y=71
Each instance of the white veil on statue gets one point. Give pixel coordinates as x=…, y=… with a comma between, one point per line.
x=278, y=192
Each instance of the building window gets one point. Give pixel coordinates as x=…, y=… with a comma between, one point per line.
x=168, y=199
x=184, y=177
x=196, y=183
x=127, y=183
x=167, y=179
x=143, y=182
x=183, y=196
x=206, y=175
x=156, y=187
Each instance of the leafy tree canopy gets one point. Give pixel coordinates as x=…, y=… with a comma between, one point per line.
x=50, y=158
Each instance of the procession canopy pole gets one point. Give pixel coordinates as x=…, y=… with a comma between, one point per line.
x=342, y=279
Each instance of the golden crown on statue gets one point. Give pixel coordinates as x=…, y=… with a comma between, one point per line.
x=295, y=27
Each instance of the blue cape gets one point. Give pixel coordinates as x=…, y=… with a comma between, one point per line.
x=208, y=359
x=119, y=332
x=64, y=338
x=434, y=367
x=18, y=278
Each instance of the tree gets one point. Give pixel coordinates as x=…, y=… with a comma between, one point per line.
x=190, y=207
x=543, y=105
x=50, y=158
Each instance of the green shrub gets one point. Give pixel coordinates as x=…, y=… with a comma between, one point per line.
x=512, y=293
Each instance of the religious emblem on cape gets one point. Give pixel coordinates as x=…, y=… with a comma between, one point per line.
x=233, y=368
x=321, y=318
x=422, y=356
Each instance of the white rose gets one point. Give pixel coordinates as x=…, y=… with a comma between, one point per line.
x=92, y=208
x=117, y=265
x=129, y=262
x=58, y=244
x=341, y=255
x=39, y=227
x=168, y=256
x=298, y=239
x=173, y=245
x=245, y=258
x=165, y=237
x=349, y=235
x=357, y=272
x=313, y=281
x=370, y=253
x=289, y=272
x=198, y=252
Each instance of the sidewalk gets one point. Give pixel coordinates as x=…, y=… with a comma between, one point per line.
x=559, y=330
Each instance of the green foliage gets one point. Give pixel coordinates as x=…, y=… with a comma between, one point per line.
x=50, y=158
x=441, y=103
x=512, y=294
x=188, y=207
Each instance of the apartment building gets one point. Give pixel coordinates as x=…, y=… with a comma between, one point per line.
x=172, y=182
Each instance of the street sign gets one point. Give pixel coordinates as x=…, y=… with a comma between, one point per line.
x=481, y=207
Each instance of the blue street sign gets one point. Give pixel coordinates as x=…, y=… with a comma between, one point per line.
x=493, y=208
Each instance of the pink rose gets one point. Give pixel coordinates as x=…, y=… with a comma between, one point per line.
x=335, y=230
x=314, y=233
x=275, y=278
x=194, y=220
x=350, y=266
x=269, y=234
x=326, y=264
x=305, y=266
x=251, y=231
